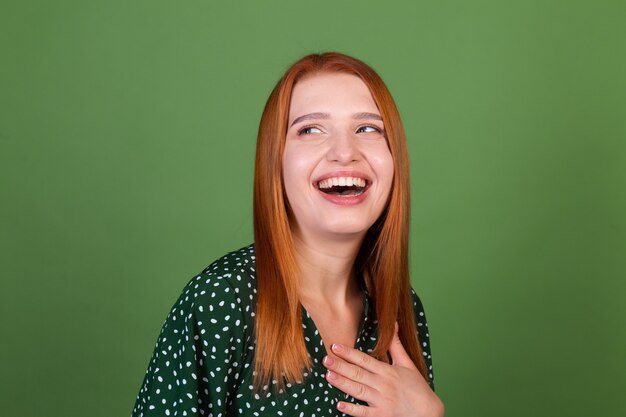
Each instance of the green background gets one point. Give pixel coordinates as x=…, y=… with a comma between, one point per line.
x=127, y=134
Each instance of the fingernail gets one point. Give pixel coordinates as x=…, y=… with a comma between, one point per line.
x=336, y=347
x=341, y=406
x=330, y=375
x=328, y=360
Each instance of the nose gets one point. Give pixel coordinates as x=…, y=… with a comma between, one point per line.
x=343, y=148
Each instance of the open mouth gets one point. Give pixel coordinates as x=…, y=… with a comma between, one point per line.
x=343, y=186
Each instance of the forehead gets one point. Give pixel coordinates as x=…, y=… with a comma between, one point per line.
x=331, y=92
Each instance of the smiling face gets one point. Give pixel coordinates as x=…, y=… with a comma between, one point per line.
x=337, y=167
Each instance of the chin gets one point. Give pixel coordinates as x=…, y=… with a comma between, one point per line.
x=345, y=229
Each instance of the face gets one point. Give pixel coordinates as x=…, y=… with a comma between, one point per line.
x=337, y=167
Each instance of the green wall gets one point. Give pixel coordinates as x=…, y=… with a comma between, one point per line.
x=127, y=135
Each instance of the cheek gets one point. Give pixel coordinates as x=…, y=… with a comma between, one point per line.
x=294, y=162
x=299, y=161
x=382, y=163
x=296, y=172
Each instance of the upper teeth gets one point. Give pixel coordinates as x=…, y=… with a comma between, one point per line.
x=342, y=181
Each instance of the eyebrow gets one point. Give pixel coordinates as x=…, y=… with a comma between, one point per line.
x=358, y=116
x=362, y=116
x=310, y=116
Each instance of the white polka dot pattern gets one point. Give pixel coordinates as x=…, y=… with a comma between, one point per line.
x=203, y=361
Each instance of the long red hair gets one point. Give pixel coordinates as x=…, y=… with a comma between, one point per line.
x=281, y=354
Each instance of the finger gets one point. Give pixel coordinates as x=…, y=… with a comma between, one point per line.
x=358, y=358
x=355, y=389
x=350, y=371
x=399, y=357
x=355, y=410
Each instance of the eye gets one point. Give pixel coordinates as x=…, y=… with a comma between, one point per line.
x=307, y=130
x=368, y=129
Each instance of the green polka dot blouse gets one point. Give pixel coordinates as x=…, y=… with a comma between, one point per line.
x=204, y=357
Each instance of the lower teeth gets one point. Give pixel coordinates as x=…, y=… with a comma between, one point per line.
x=348, y=193
x=344, y=191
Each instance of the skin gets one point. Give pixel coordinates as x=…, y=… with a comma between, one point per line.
x=335, y=129
x=390, y=390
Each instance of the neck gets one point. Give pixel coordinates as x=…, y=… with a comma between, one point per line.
x=327, y=269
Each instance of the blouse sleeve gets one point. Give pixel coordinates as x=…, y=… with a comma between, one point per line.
x=424, y=337
x=198, y=356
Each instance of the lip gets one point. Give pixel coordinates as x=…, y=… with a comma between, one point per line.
x=344, y=201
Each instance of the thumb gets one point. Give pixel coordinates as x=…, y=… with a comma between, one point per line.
x=399, y=357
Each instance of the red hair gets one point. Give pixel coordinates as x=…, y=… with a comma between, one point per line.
x=281, y=354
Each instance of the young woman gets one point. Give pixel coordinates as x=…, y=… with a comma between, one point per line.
x=317, y=317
